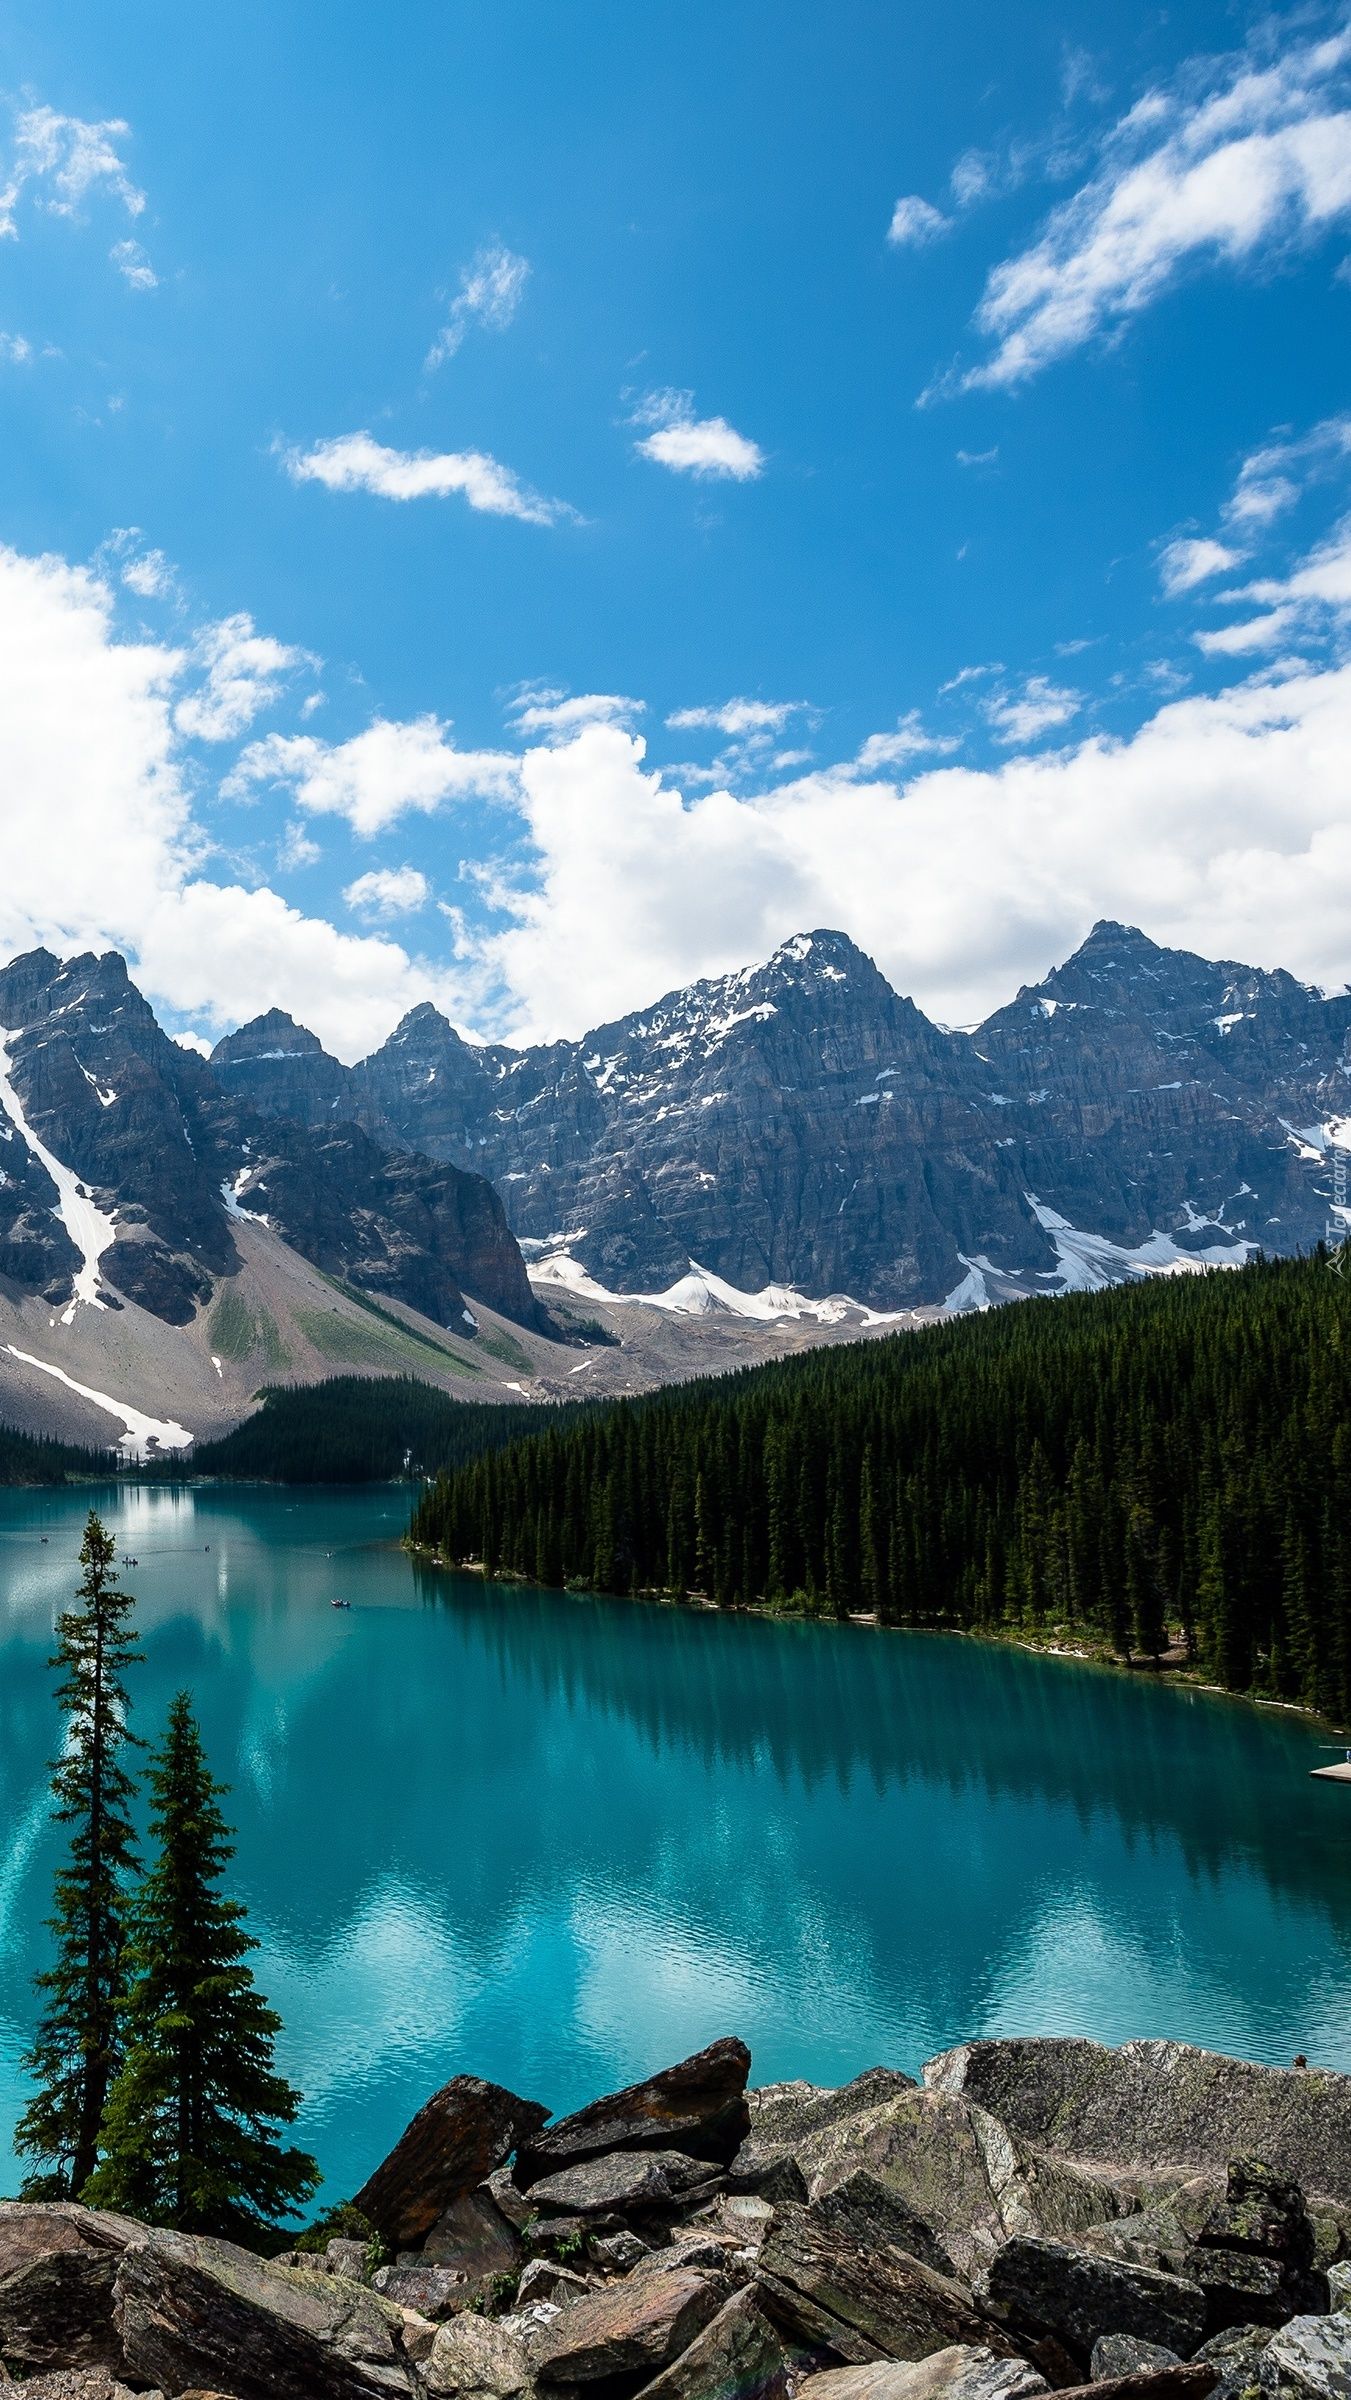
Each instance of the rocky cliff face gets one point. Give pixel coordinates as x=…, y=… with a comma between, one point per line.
x=124, y=1159
x=800, y=1123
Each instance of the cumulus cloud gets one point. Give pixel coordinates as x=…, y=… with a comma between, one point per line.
x=1272, y=478
x=491, y=288
x=1023, y=716
x=911, y=739
x=1226, y=165
x=132, y=264
x=915, y=221
x=243, y=671
x=702, y=446
x=391, y=770
x=1185, y=563
x=15, y=349
x=388, y=892
x=356, y=462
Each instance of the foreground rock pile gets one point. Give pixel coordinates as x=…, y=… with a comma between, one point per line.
x=1150, y=2223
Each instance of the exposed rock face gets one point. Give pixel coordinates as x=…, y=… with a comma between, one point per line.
x=800, y=1123
x=698, y=2107
x=1159, y=2104
x=632, y=2328
x=815, y=2281
x=167, y=1151
x=191, y=2312
x=1047, y=2287
x=961, y=2373
x=637, y=2182
x=737, y=2356
x=57, y=2265
x=452, y=2145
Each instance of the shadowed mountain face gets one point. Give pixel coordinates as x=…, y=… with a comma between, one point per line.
x=801, y=1123
x=115, y=1141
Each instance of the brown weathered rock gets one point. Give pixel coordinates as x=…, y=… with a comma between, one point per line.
x=474, y=2240
x=960, y=2373
x=88, y=2383
x=784, y=2116
x=1047, y=2287
x=191, y=2311
x=475, y=2356
x=1193, y=2382
x=57, y=2264
x=738, y=2356
x=877, y=2296
x=433, y=2291
x=453, y=2143
x=698, y=2107
x=631, y=2328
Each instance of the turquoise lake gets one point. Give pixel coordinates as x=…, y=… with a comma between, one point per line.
x=562, y=1841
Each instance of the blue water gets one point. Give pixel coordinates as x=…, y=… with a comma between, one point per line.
x=560, y=1841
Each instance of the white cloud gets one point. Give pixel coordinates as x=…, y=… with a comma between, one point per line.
x=196, y=1042
x=1266, y=632
x=66, y=159
x=1223, y=825
x=911, y=739
x=978, y=458
x=100, y=845
x=1271, y=480
x=690, y=445
x=490, y=292
x=390, y=770
x=244, y=671
x=15, y=350
x=1225, y=167
x=356, y=462
x=541, y=708
x=297, y=848
x=388, y=892
x=1024, y=715
x=965, y=675
x=150, y=576
x=915, y=221
x=738, y=716
x=1185, y=563
x=131, y=262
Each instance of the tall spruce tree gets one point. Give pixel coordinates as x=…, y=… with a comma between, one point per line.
x=77, y=2050
x=190, y=2136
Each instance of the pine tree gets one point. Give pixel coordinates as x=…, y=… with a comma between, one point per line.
x=190, y=2134
x=77, y=2049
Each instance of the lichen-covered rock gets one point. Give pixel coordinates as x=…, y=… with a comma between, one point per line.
x=1117, y=2354
x=963, y=2372
x=1155, y=2104
x=455, y=2140
x=738, y=2355
x=1309, y=2359
x=1047, y=2287
x=785, y=2116
x=57, y=2265
x=544, y=2279
x=818, y=2283
x=631, y=2328
x=1237, y=2356
x=193, y=2313
x=869, y=2211
x=698, y=2107
x=475, y=2359
x=433, y=2291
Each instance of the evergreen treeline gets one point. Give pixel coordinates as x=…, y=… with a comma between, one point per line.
x=1121, y=1464
x=360, y=1429
x=38, y=1458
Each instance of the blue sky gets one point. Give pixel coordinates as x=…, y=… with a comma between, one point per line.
x=942, y=412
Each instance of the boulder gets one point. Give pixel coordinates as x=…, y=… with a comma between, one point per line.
x=57, y=2266
x=1190, y=2382
x=633, y=2328
x=623, y=2183
x=737, y=2356
x=1118, y=2354
x=435, y=2292
x=1237, y=2357
x=698, y=2107
x=544, y=2280
x=193, y=2312
x=1309, y=2359
x=865, y=2302
x=960, y=2373
x=1159, y=2104
x=473, y=2357
x=1339, y=2284
x=869, y=2212
x=619, y=2252
x=475, y=2240
x=785, y=2115
x=86, y=2383
x=1244, y=2289
x=455, y=2140
x=1047, y=2287
x=351, y=2259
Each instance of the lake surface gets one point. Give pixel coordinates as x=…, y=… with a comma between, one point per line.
x=563, y=1841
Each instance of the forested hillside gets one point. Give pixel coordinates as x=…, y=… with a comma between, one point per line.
x=358, y=1429
x=1120, y=1464
x=37, y=1458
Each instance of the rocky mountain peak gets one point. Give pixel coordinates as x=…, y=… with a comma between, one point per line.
x=274, y=1035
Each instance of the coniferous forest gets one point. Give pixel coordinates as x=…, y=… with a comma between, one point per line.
x=1131, y=1466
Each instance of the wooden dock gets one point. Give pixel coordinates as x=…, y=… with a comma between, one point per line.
x=1341, y=1773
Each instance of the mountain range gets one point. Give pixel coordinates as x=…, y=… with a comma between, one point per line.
x=791, y=1151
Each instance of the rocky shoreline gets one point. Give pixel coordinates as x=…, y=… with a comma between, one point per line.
x=1149, y=2223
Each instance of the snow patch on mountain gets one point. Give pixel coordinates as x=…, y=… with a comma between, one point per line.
x=1089, y=1262
x=701, y=1293
x=143, y=1434
x=90, y=1230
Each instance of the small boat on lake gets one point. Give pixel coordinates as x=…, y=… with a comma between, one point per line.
x=340, y=1604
